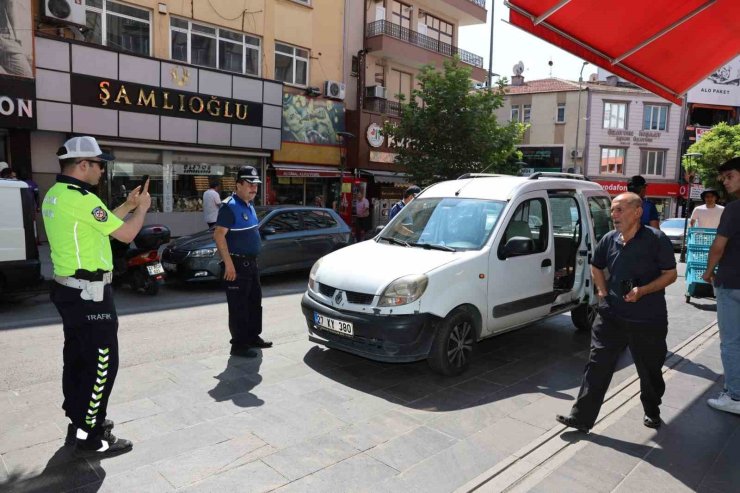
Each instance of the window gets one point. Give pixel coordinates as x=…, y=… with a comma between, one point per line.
x=207, y=46
x=401, y=14
x=527, y=113
x=285, y=222
x=600, y=208
x=528, y=221
x=291, y=64
x=436, y=28
x=399, y=83
x=615, y=115
x=560, y=115
x=515, y=113
x=318, y=220
x=612, y=161
x=118, y=26
x=655, y=117
x=651, y=162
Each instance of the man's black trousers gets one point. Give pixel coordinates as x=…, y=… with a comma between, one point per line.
x=244, y=296
x=90, y=355
x=610, y=337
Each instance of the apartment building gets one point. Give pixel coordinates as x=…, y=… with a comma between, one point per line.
x=188, y=91
x=387, y=42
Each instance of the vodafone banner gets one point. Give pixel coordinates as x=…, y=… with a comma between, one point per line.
x=653, y=189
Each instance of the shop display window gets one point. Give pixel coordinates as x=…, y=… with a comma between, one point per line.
x=125, y=175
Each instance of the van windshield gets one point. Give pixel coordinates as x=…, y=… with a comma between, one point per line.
x=452, y=223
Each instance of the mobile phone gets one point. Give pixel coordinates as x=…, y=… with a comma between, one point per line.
x=143, y=182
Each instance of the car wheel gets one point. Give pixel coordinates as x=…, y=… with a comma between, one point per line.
x=452, y=348
x=583, y=316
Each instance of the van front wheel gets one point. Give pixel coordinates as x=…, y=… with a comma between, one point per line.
x=453, y=345
x=583, y=316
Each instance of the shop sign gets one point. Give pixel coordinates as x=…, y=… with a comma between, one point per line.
x=140, y=98
x=307, y=173
x=653, y=189
x=383, y=157
x=17, y=103
x=375, y=135
x=696, y=190
x=200, y=169
x=627, y=137
x=720, y=88
x=700, y=132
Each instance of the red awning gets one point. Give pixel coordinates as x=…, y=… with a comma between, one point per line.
x=664, y=46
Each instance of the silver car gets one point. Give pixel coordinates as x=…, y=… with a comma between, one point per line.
x=674, y=228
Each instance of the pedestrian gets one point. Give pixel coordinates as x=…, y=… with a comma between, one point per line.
x=78, y=225
x=409, y=195
x=8, y=174
x=318, y=201
x=631, y=313
x=708, y=214
x=650, y=216
x=211, y=203
x=238, y=240
x=362, y=213
x=725, y=253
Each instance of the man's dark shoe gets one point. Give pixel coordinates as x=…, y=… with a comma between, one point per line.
x=116, y=446
x=243, y=352
x=651, y=422
x=71, y=438
x=572, y=422
x=261, y=343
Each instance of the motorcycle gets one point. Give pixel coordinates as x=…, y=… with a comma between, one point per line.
x=138, y=264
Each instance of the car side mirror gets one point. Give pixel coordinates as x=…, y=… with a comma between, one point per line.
x=267, y=230
x=517, y=246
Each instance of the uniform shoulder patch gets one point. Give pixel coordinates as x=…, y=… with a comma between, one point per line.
x=78, y=189
x=100, y=214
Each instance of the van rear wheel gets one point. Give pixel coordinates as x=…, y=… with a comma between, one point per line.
x=452, y=348
x=583, y=316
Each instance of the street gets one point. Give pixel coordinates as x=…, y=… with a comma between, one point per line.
x=298, y=418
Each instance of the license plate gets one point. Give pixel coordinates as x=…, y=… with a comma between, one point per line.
x=334, y=325
x=169, y=266
x=155, y=269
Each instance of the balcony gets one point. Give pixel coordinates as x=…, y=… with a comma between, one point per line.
x=387, y=39
x=466, y=12
x=383, y=106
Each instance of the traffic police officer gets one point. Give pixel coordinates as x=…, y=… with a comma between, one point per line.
x=238, y=240
x=78, y=225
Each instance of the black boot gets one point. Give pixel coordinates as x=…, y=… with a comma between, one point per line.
x=91, y=448
x=71, y=438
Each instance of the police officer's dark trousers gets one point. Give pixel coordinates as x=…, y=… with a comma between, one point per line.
x=610, y=336
x=90, y=356
x=244, y=296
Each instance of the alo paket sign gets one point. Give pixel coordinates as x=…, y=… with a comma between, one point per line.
x=653, y=189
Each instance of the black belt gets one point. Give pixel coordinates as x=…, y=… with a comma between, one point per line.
x=242, y=256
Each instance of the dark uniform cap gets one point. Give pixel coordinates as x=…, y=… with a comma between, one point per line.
x=414, y=190
x=636, y=183
x=710, y=190
x=248, y=173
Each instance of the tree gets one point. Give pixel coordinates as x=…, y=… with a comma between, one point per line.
x=718, y=145
x=447, y=129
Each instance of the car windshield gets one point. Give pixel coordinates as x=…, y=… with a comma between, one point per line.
x=449, y=223
x=672, y=223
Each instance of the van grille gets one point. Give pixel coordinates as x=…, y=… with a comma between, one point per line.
x=352, y=296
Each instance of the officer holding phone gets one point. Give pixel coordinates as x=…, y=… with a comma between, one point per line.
x=632, y=312
x=78, y=225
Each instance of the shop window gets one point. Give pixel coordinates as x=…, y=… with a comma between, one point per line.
x=655, y=117
x=615, y=115
x=118, y=26
x=291, y=64
x=126, y=174
x=285, y=222
x=651, y=162
x=612, y=161
x=191, y=180
x=318, y=220
x=199, y=44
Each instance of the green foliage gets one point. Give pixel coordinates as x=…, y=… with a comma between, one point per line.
x=447, y=129
x=716, y=146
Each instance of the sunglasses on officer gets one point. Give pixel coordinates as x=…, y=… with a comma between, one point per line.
x=99, y=162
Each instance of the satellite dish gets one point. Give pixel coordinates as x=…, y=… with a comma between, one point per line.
x=519, y=68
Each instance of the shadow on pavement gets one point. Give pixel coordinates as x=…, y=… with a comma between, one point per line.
x=63, y=472
x=236, y=382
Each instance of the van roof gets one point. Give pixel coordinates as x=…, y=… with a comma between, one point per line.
x=4, y=183
x=504, y=187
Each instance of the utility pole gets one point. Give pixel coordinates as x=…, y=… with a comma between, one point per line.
x=578, y=121
x=490, y=52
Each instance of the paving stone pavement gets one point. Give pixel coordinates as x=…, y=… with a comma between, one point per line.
x=304, y=418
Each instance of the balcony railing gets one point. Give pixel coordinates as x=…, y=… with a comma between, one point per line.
x=479, y=3
x=395, y=31
x=392, y=108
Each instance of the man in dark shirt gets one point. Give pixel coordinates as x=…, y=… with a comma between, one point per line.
x=650, y=216
x=409, y=195
x=725, y=252
x=632, y=312
x=238, y=241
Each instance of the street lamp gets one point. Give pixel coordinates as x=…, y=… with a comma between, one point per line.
x=689, y=156
x=578, y=121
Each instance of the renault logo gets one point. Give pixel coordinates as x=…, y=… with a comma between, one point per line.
x=338, y=297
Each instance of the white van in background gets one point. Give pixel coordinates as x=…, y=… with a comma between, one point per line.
x=20, y=268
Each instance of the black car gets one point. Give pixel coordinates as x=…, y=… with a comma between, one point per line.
x=293, y=238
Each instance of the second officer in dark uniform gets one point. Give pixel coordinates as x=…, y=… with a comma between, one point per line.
x=238, y=241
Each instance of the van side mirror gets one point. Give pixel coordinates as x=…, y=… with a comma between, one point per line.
x=267, y=230
x=517, y=246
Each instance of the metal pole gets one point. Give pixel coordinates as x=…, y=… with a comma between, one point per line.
x=490, y=52
x=578, y=120
x=682, y=258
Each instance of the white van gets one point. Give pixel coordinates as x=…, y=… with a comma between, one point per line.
x=20, y=267
x=466, y=260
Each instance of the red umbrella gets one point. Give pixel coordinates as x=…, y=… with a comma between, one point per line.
x=665, y=46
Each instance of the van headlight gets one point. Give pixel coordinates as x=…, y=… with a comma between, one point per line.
x=312, y=285
x=404, y=290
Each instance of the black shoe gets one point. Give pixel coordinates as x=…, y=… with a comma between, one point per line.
x=260, y=343
x=651, y=422
x=243, y=352
x=116, y=446
x=71, y=438
x=572, y=422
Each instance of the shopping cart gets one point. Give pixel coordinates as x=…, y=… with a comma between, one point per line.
x=697, y=245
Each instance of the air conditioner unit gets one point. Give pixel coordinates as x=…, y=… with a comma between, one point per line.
x=334, y=89
x=375, y=92
x=65, y=11
x=576, y=153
